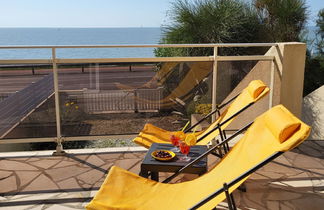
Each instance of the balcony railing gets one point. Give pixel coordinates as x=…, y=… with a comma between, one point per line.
x=91, y=84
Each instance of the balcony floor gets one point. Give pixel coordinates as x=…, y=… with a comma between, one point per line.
x=37, y=180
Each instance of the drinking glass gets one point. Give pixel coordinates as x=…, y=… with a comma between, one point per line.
x=185, y=149
x=175, y=142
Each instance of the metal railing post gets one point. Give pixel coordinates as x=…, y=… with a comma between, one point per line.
x=272, y=71
x=59, y=146
x=135, y=101
x=97, y=77
x=214, y=103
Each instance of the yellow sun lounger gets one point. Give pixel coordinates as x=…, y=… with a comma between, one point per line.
x=252, y=93
x=274, y=132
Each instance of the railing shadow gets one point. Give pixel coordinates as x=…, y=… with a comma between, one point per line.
x=45, y=201
x=72, y=156
x=13, y=193
x=311, y=148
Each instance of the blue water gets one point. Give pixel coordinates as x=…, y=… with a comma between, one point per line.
x=78, y=36
x=87, y=36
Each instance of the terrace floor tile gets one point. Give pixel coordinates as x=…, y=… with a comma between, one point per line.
x=294, y=180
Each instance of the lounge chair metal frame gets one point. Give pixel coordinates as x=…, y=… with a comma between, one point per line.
x=229, y=197
x=226, y=186
x=223, y=143
x=209, y=151
x=222, y=133
x=225, y=121
x=218, y=108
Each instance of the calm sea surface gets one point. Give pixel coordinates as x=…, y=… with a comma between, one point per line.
x=78, y=36
x=86, y=36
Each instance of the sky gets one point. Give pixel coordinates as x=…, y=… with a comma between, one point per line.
x=96, y=13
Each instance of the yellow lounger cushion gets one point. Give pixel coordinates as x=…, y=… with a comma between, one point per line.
x=281, y=125
x=255, y=88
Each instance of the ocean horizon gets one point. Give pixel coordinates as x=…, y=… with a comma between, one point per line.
x=52, y=36
x=79, y=36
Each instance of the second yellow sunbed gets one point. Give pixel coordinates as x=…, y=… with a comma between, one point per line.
x=252, y=93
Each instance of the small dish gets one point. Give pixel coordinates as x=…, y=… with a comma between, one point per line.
x=170, y=155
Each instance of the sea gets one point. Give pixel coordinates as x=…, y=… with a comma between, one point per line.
x=89, y=36
x=78, y=36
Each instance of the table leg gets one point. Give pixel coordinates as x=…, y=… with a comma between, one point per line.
x=242, y=187
x=155, y=176
x=202, y=173
x=144, y=173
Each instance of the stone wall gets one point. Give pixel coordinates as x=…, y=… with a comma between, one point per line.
x=313, y=113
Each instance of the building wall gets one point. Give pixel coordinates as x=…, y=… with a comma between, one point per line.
x=261, y=72
x=288, y=81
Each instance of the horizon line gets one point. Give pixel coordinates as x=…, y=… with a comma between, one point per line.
x=57, y=27
x=81, y=27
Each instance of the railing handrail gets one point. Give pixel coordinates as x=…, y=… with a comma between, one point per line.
x=54, y=60
x=140, y=46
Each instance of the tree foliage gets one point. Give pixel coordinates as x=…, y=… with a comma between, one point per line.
x=314, y=68
x=314, y=73
x=283, y=19
x=320, y=32
x=209, y=21
x=231, y=21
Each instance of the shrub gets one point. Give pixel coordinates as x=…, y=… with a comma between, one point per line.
x=203, y=109
x=209, y=21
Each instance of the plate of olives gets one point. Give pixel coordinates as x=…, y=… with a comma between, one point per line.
x=163, y=155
